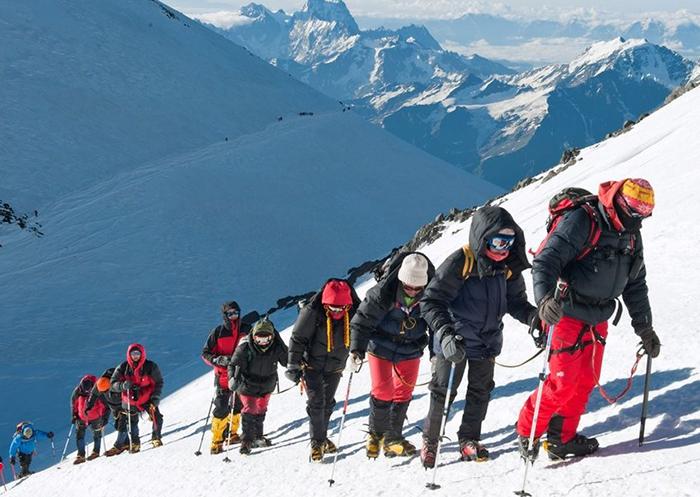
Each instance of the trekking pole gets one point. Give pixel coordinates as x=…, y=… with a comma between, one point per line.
x=65, y=447
x=204, y=428
x=53, y=449
x=128, y=417
x=230, y=425
x=559, y=293
x=14, y=473
x=443, y=426
x=331, y=481
x=645, y=402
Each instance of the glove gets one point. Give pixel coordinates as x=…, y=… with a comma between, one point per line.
x=357, y=357
x=74, y=418
x=232, y=384
x=50, y=434
x=293, y=373
x=550, y=310
x=85, y=412
x=13, y=461
x=127, y=385
x=155, y=400
x=452, y=346
x=538, y=331
x=222, y=360
x=650, y=341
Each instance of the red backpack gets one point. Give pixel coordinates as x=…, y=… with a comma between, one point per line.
x=565, y=201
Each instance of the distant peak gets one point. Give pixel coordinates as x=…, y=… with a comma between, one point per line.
x=255, y=10
x=420, y=35
x=330, y=11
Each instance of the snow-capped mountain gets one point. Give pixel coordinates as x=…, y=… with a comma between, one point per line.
x=510, y=127
x=173, y=170
x=323, y=46
x=663, y=148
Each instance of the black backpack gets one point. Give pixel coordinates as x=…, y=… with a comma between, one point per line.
x=569, y=199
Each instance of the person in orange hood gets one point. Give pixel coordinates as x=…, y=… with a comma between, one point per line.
x=613, y=268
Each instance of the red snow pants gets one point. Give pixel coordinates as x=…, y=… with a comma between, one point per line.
x=393, y=382
x=254, y=405
x=572, y=377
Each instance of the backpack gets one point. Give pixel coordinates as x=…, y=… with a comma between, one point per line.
x=567, y=200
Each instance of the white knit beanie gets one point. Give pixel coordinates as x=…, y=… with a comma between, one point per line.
x=414, y=270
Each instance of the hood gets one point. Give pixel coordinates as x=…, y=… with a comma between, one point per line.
x=143, y=356
x=486, y=222
x=231, y=304
x=606, y=196
x=86, y=383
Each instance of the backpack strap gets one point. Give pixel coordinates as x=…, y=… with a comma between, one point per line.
x=469, y=261
x=594, y=231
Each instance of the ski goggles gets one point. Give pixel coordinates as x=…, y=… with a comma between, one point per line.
x=501, y=243
x=629, y=211
x=412, y=289
x=27, y=432
x=232, y=313
x=263, y=340
x=337, y=308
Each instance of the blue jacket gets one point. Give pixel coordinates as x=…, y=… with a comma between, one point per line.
x=26, y=445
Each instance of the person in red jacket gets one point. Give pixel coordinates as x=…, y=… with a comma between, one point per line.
x=82, y=417
x=140, y=383
x=217, y=352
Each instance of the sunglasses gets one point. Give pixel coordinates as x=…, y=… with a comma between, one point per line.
x=263, y=339
x=135, y=354
x=501, y=243
x=337, y=308
x=232, y=314
x=412, y=289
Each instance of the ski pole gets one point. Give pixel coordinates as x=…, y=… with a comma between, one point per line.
x=53, y=449
x=331, y=481
x=443, y=426
x=559, y=293
x=128, y=418
x=230, y=425
x=645, y=401
x=65, y=447
x=14, y=473
x=204, y=428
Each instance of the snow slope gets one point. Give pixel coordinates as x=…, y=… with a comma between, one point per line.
x=172, y=171
x=663, y=148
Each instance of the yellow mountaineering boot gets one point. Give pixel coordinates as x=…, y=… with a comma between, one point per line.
x=218, y=426
x=399, y=447
x=372, y=446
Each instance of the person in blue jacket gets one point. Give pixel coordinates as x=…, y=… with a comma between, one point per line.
x=23, y=444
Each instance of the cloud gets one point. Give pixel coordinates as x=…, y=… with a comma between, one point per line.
x=536, y=51
x=224, y=19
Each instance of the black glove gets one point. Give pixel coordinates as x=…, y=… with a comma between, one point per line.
x=550, y=310
x=222, y=360
x=155, y=400
x=538, y=331
x=293, y=373
x=74, y=418
x=650, y=341
x=126, y=385
x=452, y=347
x=50, y=434
x=13, y=461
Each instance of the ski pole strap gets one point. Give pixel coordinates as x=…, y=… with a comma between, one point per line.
x=603, y=393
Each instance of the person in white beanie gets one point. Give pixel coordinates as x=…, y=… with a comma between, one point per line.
x=388, y=325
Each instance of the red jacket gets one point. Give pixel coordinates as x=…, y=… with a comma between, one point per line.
x=222, y=341
x=145, y=374
x=79, y=401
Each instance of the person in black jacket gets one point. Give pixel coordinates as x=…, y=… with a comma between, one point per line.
x=614, y=267
x=101, y=392
x=140, y=383
x=217, y=352
x=465, y=303
x=253, y=375
x=318, y=351
x=388, y=324
x=84, y=415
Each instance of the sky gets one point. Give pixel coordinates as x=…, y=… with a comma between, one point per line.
x=452, y=8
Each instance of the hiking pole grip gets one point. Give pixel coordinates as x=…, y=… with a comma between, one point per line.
x=645, y=401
